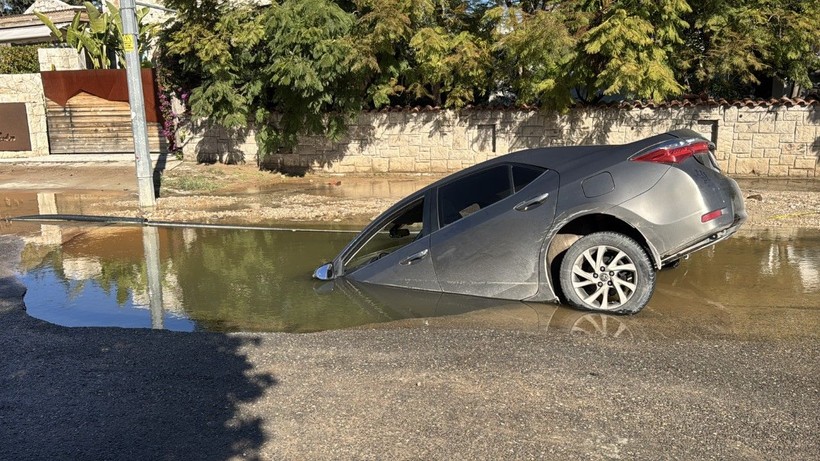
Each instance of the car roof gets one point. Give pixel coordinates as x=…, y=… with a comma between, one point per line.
x=571, y=162
x=564, y=159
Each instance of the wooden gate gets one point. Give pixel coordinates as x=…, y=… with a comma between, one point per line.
x=87, y=112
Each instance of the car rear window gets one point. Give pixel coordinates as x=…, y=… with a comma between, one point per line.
x=525, y=174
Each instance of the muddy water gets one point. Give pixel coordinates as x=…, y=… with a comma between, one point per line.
x=212, y=280
x=233, y=280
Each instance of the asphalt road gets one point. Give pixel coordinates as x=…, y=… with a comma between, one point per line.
x=408, y=393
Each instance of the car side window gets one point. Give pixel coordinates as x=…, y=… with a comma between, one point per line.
x=404, y=227
x=525, y=174
x=467, y=195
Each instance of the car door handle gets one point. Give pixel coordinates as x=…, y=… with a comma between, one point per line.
x=528, y=205
x=412, y=259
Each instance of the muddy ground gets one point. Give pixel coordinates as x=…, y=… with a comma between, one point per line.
x=399, y=393
x=241, y=194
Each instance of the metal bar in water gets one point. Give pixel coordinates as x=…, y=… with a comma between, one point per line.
x=239, y=227
x=146, y=222
x=80, y=218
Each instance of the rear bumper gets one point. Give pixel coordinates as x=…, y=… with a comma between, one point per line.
x=708, y=241
x=725, y=226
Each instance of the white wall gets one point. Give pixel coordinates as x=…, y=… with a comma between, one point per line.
x=28, y=89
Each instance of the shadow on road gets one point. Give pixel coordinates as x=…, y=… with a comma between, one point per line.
x=103, y=393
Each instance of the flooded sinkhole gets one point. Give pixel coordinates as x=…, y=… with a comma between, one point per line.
x=222, y=280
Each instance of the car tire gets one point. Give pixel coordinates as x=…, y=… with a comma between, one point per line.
x=607, y=272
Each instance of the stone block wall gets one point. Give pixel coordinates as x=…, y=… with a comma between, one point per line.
x=60, y=59
x=773, y=141
x=28, y=89
x=763, y=139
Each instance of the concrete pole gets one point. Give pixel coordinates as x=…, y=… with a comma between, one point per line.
x=145, y=180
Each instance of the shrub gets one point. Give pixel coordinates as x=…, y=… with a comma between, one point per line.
x=19, y=59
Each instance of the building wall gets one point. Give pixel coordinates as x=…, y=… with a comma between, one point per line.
x=764, y=139
x=28, y=89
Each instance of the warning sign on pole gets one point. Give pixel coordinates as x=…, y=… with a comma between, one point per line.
x=128, y=43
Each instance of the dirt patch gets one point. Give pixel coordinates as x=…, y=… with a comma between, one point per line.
x=242, y=194
x=774, y=204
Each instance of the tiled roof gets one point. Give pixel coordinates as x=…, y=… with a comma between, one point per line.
x=711, y=102
x=25, y=20
x=628, y=105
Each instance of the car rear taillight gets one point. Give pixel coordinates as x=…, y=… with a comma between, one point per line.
x=712, y=215
x=674, y=154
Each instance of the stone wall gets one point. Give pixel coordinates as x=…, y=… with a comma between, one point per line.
x=60, y=59
x=28, y=89
x=773, y=141
x=756, y=138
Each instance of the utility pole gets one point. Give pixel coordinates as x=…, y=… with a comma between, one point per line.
x=145, y=180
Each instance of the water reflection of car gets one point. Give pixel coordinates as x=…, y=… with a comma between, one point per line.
x=436, y=309
x=588, y=224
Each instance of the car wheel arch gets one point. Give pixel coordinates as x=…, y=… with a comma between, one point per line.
x=578, y=226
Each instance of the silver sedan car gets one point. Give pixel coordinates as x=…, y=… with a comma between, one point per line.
x=586, y=225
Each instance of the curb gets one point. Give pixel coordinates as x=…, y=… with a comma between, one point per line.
x=82, y=158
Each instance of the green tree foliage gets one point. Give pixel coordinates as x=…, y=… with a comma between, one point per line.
x=383, y=31
x=533, y=48
x=451, y=68
x=732, y=43
x=422, y=52
x=19, y=59
x=101, y=37
x=286, y=69
x=626, y=47
x=552, y=51
x=302, y=67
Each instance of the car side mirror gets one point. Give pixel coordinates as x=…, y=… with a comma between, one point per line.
x=324, y=272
